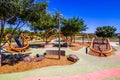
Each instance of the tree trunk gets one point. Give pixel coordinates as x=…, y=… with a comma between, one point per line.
x=67, y=39
x=71, y=39
x=42, y=37
x=46, y=37
x=1, y=37
x=74, y=39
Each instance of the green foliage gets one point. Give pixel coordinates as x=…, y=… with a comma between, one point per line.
x=105, y=31
x=8, y=8
x=15, y=12
x=40, y=20
x=72, y=26
x=45, y=22
x=26, y=32
x=37, y=11
x=8, y=30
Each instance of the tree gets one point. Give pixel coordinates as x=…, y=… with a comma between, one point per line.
x=44, y=22
x=105, y=31
x=8, y=8
x=14, y=12
x=72, y=26
x=22, y=15
x=8, y=30
x=26, y=32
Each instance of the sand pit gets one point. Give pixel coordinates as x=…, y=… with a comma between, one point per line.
x=51, y=60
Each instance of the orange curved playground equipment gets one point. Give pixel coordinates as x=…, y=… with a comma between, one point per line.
x=83, y=35
x=89, y=37
x=18, y=48
x=55, y=35
x=101, y=47
x=46, y=33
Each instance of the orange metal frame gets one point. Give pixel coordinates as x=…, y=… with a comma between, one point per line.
x=105, y=52
x=61, y=35
x=73, y=36
x=17, y=49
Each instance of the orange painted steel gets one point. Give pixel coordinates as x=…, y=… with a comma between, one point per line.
x=89, y=35
x=105, y=52
x=17, y=49
x=46, y=33
x=73, y=36
x=54, y=35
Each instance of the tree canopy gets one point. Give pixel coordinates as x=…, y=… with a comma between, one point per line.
x=105, y=31
x=72, y=26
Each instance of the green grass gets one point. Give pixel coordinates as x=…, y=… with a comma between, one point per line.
x=114, y=39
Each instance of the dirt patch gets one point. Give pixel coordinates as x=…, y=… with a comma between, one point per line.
x=77, y=45
x=50, y=60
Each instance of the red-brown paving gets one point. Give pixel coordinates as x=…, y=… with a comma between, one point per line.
x=118, y=54
x=98, y=75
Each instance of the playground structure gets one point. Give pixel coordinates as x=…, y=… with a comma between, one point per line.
x=90, y=37
x=85, y=37
x=46, y=33
x=35, y=36
x=81, y=35
x=55, y=35
x=96, y=46
x=101, y=46
x=21, y=46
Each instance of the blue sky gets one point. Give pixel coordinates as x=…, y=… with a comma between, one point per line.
x=94, y=12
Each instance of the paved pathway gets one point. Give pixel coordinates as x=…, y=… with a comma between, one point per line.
x=98, y=75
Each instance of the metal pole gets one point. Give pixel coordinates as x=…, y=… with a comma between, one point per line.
x=59, y=30
x=119, y=41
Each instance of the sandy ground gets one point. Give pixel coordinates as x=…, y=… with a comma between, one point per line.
x=77, y=46
x=50, y=60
